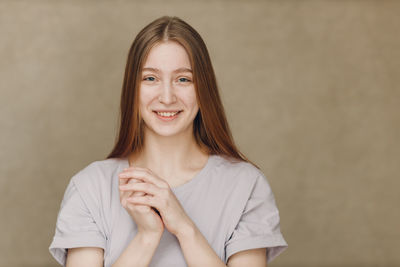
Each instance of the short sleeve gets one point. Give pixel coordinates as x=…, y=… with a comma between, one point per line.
x=258, y=226
x=75, y=226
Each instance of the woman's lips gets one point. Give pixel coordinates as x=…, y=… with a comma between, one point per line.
x=171, y=111
x=167, y=118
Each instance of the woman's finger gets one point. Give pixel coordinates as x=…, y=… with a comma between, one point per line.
x=125, y=194
x=144, y=200
x=147, y=188
x=146, y=175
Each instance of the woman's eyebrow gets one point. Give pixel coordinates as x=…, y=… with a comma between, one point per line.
x=175, y=71
x=182, y=70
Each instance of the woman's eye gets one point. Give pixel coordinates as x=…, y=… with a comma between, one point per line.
x=184, y=80
x=151, y=79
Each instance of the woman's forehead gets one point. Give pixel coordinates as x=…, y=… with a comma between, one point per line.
x=179, y=70
x=167, y=56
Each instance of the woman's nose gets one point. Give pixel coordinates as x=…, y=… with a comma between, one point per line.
x=167, y=94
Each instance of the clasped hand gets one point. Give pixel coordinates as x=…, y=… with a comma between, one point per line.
x=156, y=193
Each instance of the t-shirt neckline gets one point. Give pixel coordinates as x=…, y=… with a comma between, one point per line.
x=192, y=181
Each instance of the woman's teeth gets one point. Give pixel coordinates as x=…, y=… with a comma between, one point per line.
x=167, y=114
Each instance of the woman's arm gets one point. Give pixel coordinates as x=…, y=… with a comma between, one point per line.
x=139, y=252
x=250, y=257
x=198, y=252
x=80, y=257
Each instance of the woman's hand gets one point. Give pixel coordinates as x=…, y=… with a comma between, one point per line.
x=147, y=220
x=159, y=195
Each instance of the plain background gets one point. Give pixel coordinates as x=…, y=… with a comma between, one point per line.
x=311, y=90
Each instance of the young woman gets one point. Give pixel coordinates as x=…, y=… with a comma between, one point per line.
x=175, y=190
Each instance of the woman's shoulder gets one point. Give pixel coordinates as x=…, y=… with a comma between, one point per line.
x=239, y=178
x=98, y=172
x=237, y=169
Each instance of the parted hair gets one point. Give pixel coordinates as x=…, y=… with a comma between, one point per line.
x=210, y=126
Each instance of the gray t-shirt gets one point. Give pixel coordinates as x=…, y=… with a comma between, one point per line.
x=231, y=203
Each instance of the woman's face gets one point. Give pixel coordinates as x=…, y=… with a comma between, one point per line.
x=168, y=103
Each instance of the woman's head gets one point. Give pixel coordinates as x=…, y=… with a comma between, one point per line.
x=210, y=127
x=167, y=95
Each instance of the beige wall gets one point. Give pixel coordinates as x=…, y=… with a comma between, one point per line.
x=311, y=89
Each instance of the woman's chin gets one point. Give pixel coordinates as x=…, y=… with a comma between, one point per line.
x=165, y=132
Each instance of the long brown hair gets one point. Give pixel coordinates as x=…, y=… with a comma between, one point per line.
x=210, y=126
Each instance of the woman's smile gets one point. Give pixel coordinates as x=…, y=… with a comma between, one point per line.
x=167, y=116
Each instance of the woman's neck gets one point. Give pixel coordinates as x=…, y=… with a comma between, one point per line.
x=170, y=157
